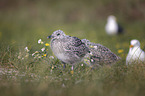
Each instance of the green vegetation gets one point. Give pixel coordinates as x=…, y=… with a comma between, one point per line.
x=24, y=22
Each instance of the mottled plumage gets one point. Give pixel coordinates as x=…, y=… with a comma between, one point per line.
x=99, y=55
x=67, y=49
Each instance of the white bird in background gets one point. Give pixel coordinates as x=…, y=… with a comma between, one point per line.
x=136, y=54
x=112, y=27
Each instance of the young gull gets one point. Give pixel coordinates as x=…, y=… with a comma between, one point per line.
x=99, y=55
x=69, y=50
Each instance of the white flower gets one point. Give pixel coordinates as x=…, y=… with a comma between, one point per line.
x=82, y=64
x=51, y=57
x=33, y=54
x=26, y=49
x=40, y=41
x=95, y=47
x=92, y=60
x=42, y=49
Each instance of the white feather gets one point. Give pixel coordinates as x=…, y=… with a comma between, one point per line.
x=136, y=54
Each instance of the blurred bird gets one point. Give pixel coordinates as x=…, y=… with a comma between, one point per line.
x=69, y=50
x=112, y=27
x=136, y=54
x=99, y=55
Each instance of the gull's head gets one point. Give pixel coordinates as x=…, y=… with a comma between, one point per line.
x=57, y=34
x=111, y=18
x=134, y=43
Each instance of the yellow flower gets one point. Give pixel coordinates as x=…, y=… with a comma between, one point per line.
x=91, y=46
x=46, y=44
x=72, y=72
x=120, y=50
x=44, y=55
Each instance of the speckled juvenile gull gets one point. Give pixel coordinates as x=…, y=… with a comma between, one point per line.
x=69, y=50
x=135, y=54
x=112, y=27
x=99, y=55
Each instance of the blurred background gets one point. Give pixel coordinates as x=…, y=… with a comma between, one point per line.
x=23, y=22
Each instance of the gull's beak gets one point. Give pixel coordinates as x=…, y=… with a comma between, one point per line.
x=49, y=37
x=131, y=46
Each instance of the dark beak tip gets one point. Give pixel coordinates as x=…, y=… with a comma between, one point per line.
x=49, y=37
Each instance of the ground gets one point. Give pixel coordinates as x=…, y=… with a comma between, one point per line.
x=23, y=23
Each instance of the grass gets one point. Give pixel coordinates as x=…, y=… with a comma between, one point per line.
x=23, y=23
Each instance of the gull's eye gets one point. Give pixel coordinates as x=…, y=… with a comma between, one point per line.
x=58, y=34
